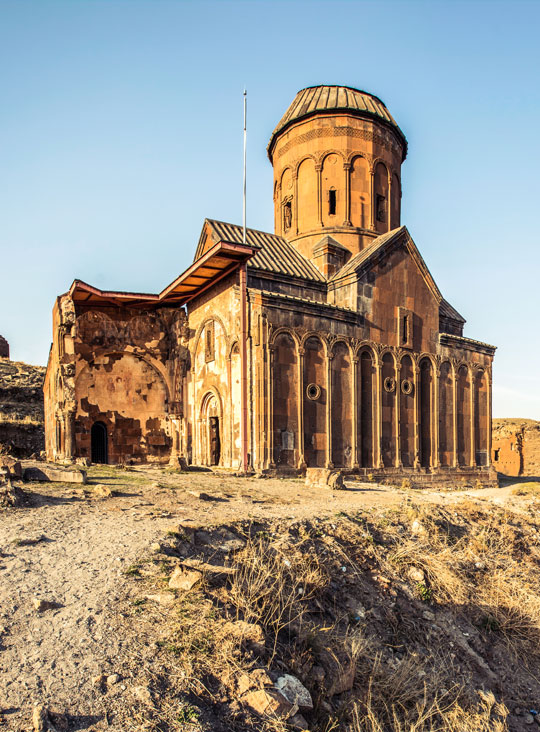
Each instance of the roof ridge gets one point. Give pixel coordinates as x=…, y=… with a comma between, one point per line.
x=248, y=228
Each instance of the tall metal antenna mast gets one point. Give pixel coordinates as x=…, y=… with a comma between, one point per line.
x=245, y=160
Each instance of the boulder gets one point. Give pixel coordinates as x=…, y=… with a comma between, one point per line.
x=40, y=604
x=324, y=478
x=339, y=671
x=11, y=466
x=184, y=579
x=295, y=692
x=297, y=721
x=11, y=496
x=102, y=491
x=268, y=702
x=221, y=539
x=54, y=474
x=248, y=631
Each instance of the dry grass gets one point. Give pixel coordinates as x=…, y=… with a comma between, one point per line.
x=273, y=587
x=480, y=570
x=442, y=713
x=531, y=488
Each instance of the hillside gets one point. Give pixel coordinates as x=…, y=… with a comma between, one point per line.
x=21, y=408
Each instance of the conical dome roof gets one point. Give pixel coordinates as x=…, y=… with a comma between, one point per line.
x=324, y=99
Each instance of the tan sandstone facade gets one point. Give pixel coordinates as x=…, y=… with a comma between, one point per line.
x=325, y=344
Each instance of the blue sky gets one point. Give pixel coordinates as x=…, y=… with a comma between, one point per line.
x=121, y=129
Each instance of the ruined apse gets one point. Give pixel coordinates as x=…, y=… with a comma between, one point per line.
x=324, y=344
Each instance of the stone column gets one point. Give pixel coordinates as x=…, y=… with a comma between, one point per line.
x=372, y=196
x=389, y=203
x=435, y=462
x=416, y=380
x=347, y=171
x=270, y=438
x=301, y=397
x=318, y=168
x=377, y=457
x=472, y=462
x=69, y=431
x=488, y=377
x=356, y=412
x=455, y=458
x=295, y=203
x=329, y=463
x=398, y=416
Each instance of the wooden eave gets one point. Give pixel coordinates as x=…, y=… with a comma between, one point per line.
x=218, y=262
x=84, y=294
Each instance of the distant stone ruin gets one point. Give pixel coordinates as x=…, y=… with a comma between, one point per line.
x=4, y=348
x=21, y=408
x=516, y=447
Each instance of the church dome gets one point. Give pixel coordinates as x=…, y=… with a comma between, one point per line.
x=316, y=100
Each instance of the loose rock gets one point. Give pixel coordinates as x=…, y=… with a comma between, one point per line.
x=184, y=579
x=268, y=702
x=295, y=692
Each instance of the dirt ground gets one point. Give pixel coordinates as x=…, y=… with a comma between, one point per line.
x=75, y=549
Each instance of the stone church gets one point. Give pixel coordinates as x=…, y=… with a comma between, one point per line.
x=324, y=344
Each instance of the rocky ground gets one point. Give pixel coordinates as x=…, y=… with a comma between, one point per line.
x=155, y=600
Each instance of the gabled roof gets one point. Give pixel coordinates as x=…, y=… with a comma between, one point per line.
x=380, y=247
x=274, y=254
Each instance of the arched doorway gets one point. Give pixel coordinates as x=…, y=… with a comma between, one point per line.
x=99, y=443
x=211, y=429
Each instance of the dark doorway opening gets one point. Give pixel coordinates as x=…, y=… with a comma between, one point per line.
x=99, y=445
x=215, y=442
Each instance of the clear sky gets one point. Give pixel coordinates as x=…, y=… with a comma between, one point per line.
x=121, y=129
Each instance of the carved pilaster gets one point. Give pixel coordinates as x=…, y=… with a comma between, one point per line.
x=329, y=462
x=472, y=450
x=416, y=374
x=347, y=171
x=294, y=203
x=455, y=458
x=355, y=414
x=435, y=461
x=377, y=457
x=372, y=197
x=398, y=463
x=301, y=397
x=318, y=169
x=270, y=438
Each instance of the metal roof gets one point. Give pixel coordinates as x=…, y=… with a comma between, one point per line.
x=359, y=259
x=323, y=99
x=447, y=311
x=275, y=254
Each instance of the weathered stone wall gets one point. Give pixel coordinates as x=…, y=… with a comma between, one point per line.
x=516, y=447
x=213, y=383
x=4, y=348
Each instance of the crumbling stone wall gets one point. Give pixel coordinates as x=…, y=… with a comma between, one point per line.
x=516, y=447
x=119, y=367
x=4, y=348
